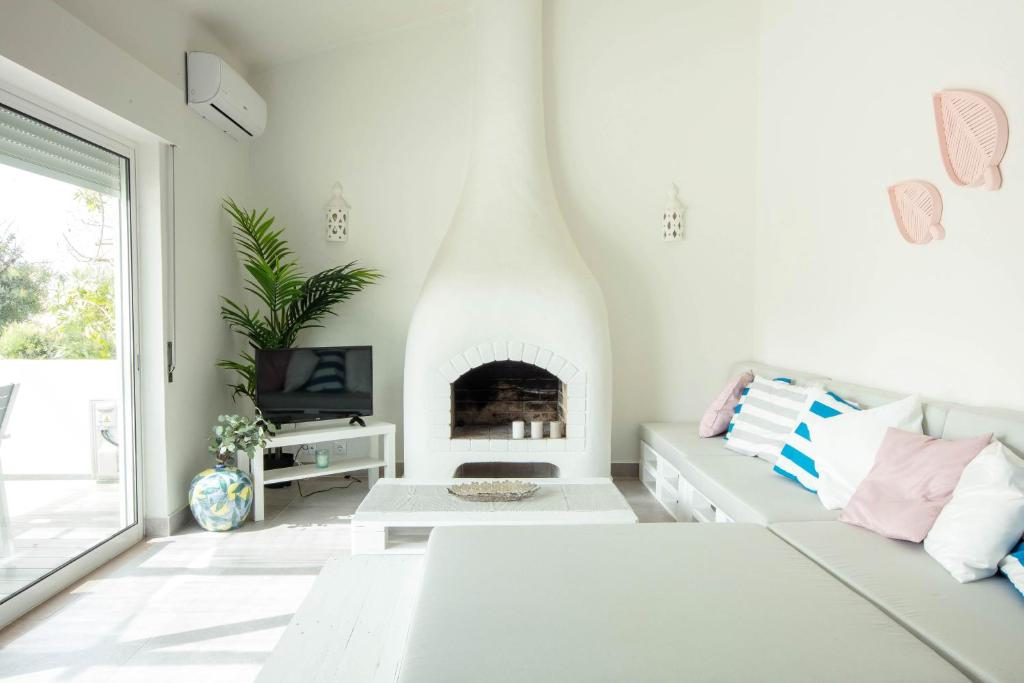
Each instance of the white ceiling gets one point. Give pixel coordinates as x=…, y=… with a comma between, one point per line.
x=267, y=32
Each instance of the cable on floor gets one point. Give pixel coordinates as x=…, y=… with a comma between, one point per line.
x=351, y=480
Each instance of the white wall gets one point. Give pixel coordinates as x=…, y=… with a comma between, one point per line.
x=208, y=167
x=844, y=111
x=389, y=117
x=639, y=95
x=118, y=63
x=816, y=106
x=635, y=101
x=153, y=32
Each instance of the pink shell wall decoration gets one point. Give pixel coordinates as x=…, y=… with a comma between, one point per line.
x=917, y=207
x=972, y=136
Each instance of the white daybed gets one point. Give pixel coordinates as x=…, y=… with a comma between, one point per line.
x=651, y=602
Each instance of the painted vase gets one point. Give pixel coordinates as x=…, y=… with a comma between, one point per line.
x=220, y=498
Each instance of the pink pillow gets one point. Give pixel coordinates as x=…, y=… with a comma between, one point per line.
x=719, y=413
x=912, y=479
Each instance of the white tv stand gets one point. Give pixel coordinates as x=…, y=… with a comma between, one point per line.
x=382, y=454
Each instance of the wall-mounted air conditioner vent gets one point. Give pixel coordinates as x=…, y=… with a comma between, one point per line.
x=222, y=97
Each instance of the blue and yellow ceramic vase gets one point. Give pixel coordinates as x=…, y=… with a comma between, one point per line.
x=220, y=498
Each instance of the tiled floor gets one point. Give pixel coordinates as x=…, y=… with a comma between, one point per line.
x=199, y=606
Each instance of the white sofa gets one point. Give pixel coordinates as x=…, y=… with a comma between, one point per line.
x=787, y=594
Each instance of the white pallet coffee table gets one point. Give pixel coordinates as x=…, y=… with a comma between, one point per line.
x=397, y=514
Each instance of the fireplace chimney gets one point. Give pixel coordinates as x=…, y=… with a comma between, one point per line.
x=508, y=283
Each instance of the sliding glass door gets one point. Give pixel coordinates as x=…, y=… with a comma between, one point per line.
x=68, y=484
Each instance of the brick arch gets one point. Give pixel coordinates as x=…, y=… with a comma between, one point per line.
x=523, y=352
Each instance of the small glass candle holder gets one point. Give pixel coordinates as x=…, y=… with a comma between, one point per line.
x=323, y=457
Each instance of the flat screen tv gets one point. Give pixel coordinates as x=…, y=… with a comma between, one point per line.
x=306, y=384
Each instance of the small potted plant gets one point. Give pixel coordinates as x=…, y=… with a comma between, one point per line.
x=221, y=497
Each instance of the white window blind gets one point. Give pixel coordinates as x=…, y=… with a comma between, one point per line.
x=34, y=146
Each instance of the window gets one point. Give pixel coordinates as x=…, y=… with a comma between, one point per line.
x=68, y=484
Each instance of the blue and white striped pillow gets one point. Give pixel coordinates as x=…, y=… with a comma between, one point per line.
x=797, y=458
x=1013, y=566
x=765, y=415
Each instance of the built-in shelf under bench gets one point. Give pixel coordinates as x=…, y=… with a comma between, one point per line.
x=678, y=496
x=701, y=480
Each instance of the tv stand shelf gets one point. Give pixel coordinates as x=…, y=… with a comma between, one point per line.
x=307, y=471
x=382, y=454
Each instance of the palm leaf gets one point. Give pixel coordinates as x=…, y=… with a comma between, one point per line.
x=248, y=323
x=320, y=293
x=246, y=373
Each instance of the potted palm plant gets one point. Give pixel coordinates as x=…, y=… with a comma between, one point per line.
x=288, y=300
x=221, y=497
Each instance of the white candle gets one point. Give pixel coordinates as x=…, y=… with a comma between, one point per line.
x=536, y=429
x=518, y=429
x=555, y=429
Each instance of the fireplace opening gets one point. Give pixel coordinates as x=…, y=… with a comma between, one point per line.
x=489, y=398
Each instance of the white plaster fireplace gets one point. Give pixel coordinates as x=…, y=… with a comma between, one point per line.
x=508, y=283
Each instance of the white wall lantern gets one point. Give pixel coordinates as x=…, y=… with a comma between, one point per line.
x=336, y=212
x=672, y=218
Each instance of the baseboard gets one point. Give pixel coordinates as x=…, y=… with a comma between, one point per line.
x=626, y=470
x=162, y=527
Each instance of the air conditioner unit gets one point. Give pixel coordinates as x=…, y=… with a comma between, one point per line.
x=222, y=97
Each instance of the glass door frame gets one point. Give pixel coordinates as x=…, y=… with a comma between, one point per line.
x=129, y=340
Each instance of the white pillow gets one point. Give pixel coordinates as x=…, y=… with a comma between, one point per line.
x=985, y=517
x=846, y=446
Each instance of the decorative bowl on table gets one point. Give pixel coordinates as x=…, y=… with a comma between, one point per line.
x=493, y=491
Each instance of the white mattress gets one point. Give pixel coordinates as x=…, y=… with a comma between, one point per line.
x=976, y=625
x=649, y=602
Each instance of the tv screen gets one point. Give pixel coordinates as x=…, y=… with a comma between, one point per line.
x=303, y=384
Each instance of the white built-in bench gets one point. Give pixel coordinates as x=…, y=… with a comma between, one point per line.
x=973, y=625
x=701, y=480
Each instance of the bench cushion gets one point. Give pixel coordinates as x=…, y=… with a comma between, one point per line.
x=977, y=626
x=744, y=488
x=1005, y=425
x=649, y=602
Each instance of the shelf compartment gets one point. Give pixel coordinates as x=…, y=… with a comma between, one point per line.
x=276, y=476
x=702, y=509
